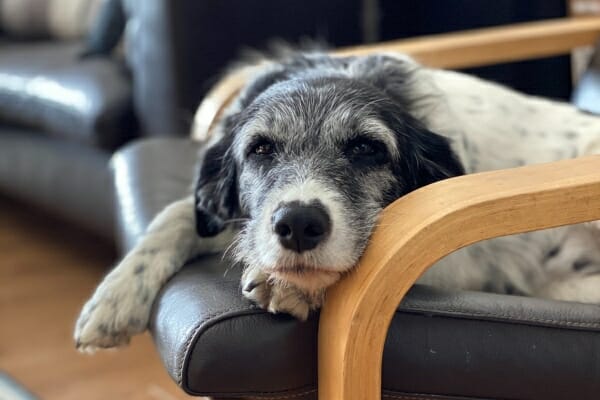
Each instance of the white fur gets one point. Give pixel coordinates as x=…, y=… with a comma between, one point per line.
x=327, y=256
x=494, y=127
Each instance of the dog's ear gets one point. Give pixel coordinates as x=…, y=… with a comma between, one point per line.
x=430, y=159
x=427, y=157
x=392, y=75
x=216, y=197
x=271, y=75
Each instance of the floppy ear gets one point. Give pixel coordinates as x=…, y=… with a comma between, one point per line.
x=430, y=159
x=426, y=156
x=216, y=197
x=260, y=83
x=392, y=75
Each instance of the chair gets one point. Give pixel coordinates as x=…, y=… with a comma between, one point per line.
x=214, y=343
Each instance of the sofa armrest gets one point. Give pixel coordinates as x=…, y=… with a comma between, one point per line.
x=419, y=229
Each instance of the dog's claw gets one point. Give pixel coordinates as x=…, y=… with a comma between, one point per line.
x=250, y=286
x=276, y=297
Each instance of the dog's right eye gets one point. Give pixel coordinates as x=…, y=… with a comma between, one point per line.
x=262, y=148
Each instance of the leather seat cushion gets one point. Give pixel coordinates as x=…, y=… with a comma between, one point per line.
x=477, y=345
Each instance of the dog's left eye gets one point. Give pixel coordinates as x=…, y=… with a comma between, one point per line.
x=362, y=149
x=262, y=148
x=366, y=150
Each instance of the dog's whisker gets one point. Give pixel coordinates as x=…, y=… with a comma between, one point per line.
x=234, y=220
x=230, y=268
x=231, y=247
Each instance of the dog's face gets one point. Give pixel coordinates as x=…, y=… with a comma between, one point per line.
x=310, y=163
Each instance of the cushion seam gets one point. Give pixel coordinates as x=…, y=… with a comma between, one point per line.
x=191, y=338
x=290, y=396
x=456, y=311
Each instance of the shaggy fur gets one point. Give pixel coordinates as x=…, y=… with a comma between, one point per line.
x=346, y=137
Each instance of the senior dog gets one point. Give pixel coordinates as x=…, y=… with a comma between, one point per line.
x=311, y=151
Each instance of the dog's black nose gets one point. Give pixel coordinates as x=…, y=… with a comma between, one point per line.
x=301, y=227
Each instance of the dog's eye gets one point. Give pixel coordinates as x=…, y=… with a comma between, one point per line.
x=262, y=148
x=362, y=149
x=366, y=150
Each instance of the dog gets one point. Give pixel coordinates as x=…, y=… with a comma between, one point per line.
x=308, y=154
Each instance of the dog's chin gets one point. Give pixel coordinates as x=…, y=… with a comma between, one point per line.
x=308, y=279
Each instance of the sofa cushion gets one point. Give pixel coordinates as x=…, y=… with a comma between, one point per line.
x=66, y=179
x=445, y=343
x=452, y=344
x=45, y=85
x=66, y=19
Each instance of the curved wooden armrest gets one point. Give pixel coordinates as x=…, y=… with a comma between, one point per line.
x=419, y=229
x=493, y=45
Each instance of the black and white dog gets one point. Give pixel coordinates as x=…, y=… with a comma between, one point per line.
x=312, y=150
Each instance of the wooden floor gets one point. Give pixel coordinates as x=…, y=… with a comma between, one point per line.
x=47, y=270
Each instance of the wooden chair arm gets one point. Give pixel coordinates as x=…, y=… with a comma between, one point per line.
x=486, y=46
x=452, y=50
x=419, y=229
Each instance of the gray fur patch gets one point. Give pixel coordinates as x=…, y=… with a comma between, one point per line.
x=580, y=264
x=139, y=269
x=571, y=135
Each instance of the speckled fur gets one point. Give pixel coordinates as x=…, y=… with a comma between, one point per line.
x=489, y=127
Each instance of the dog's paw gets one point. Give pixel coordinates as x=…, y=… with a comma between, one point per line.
x=277, y=297
x=104, y=323
x=119, y=309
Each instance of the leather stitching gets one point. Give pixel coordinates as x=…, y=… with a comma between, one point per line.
x=409, y=397
x=384, y=395
x=188, y=342
x=401, y=397
x=289, y=396
x=508, y=317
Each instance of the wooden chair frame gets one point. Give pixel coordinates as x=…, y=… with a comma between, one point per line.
x=419, y=229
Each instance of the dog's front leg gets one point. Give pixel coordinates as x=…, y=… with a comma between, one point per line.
x=121, y=305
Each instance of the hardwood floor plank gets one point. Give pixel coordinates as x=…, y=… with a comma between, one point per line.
x=47, y=271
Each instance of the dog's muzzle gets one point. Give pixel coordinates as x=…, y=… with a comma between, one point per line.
x=301, y=227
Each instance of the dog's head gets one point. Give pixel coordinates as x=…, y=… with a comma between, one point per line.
x=316, y=149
